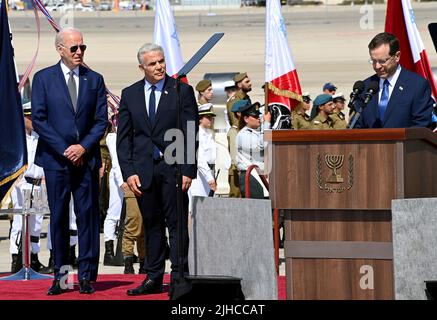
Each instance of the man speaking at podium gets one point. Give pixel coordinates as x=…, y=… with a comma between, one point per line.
x=404, y=98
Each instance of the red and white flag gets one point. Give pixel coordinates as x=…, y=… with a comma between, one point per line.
x=280, y=71
x=399, y=20
x=166, y=36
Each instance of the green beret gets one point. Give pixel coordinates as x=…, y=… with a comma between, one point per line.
x=203, y=85
x=239, y=104
x=318, y=101
x=240, y=77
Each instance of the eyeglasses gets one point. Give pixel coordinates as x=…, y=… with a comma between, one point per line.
x=381, y=62
x=74, y=48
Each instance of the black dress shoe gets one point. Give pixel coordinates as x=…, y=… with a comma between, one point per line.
x=147, y=287
x=55, y=289
x=85, y=287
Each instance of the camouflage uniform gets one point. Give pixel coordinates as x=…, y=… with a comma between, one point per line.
x=300, y=120
x=339, y=120
x=321, y=123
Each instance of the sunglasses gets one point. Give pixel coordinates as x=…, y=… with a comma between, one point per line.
x=74, y=48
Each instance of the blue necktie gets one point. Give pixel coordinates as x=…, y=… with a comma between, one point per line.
x=384, y=99
x=152, y=111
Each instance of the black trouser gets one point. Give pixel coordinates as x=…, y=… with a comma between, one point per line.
x=256, y=190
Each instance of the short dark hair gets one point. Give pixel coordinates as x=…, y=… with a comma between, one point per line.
x=385, y=38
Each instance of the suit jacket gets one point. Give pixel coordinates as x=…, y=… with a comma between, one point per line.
x=59, y=126
x=136, y=135
x=410, y=104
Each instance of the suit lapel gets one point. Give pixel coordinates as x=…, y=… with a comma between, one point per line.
x=373, y=103
x=396, y=95
x=83, y=86
x=60, y=78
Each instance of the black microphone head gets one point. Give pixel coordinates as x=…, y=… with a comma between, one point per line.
x=373, y=87
x=358, y=86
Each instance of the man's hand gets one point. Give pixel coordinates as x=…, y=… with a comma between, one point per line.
x=186, y=183
x=134, y=183
x=212, y=185
x=125, y=187
x=74, y=152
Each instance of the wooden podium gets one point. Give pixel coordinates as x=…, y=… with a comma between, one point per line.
x=336, y=187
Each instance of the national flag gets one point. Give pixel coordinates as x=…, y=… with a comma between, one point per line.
x=13, y=152
x=166, y=36
x=280, y=72
x=400, y=21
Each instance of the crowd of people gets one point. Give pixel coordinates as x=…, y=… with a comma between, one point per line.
x=68, y=131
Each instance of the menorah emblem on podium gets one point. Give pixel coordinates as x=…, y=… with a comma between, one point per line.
x=334, y=162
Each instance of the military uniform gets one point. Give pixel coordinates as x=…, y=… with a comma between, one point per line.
x=300, y=120
x=234, y=185
x=321, y=122
x=339, y=120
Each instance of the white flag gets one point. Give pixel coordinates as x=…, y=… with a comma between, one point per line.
x=166, y=36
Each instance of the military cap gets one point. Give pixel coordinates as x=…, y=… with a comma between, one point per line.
x=251, y=109
x=240, y=104
x=240, y=77
x=318, y=101
x=203, y=85
x=229, y=84
x=338, y=96
x=27, y=107
x=306, y=97
x=329, y=86
x=206, y=110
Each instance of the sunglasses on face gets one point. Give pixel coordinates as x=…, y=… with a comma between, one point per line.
x=74, y=48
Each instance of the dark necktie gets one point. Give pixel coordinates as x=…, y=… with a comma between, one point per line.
x=152, y=112
x=384, y=99
x=72, y=90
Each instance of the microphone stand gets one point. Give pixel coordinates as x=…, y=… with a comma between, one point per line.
x=182, y=286
x=357, y=115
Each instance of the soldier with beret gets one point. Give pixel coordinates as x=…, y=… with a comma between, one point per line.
x=299, y=118
x=322, y=108
x=204, y=87
x=337, y=116
x=250, y=148
x=244, y=85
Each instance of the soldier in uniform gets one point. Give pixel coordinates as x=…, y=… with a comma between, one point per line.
x=250, y=148
x=329, y=88
x=322, y=108
x=204, y=87
x=244, y=85
x=299, y=118
x=337, y=116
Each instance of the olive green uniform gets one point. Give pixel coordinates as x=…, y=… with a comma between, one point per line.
x=320, y=122
x=234, y=184
x=300, y=120
x=339, y=120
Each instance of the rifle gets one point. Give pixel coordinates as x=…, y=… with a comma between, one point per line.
x=119, y=231
x=211, y=192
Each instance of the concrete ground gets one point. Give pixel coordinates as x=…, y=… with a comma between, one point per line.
x=329, y=43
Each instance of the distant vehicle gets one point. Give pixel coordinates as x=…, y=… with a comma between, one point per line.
x=105, y=6
x=60, y=7
x=84, y=8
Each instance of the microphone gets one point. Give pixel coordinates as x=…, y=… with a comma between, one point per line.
x=357, y=89
x=371, y=90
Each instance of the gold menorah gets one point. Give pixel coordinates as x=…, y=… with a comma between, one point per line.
x=334, y=162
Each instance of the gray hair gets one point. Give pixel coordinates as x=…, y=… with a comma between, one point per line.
x=59, y=39
x=147, y=47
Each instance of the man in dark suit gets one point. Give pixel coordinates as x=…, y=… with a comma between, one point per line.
x=148, y=111
x=69, y=112
x=404, y=98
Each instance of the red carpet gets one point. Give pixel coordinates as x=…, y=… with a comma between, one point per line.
x=108, y=287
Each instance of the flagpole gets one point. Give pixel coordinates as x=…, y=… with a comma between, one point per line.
x=266, y=97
